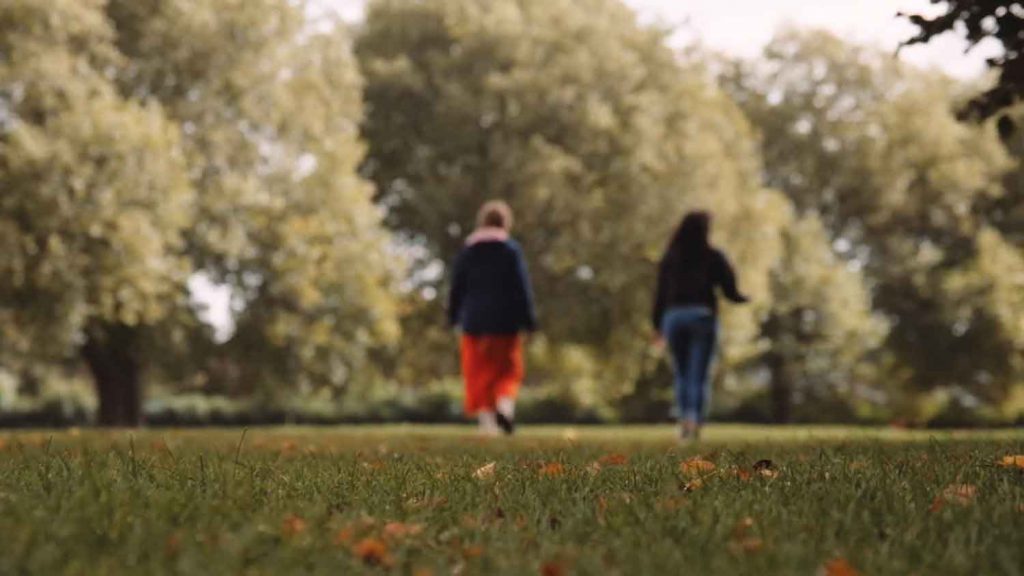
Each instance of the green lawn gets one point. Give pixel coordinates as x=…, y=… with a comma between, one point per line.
x=410, y=500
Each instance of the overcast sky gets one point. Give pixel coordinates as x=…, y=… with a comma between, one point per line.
x=715, y=23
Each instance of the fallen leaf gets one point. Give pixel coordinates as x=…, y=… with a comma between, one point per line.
x=293, y=526
x=693, y=485
x=422, y=572
x=746, y=545
x=3, y=444
x=743, y=526
x=372, y=551
x=485, y=472
x=344, y=536
x=766, y=468
x=741, y=474
x=552, y=469
x=1015, y=461
x=173, y=545
x=474, y=551
x=398, y=530
x=552, y=568
x=839, y=567
x=696, y=465
x=959, y=494
x=613, y=460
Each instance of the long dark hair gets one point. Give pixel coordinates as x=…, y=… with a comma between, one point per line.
x=690, y=247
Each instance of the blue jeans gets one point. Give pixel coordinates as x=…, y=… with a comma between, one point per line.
x=691, y=332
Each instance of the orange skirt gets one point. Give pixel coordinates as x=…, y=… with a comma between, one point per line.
x=492, y=367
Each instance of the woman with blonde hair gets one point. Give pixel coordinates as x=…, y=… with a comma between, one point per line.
x=492, y=302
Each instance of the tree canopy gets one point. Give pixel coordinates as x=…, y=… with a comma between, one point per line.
x=980, y=20
x=145, y=142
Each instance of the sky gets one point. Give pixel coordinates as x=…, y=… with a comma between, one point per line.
x=715, y=23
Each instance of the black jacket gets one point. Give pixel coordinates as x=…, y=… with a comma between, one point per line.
x=491, y=291
x=694, y=285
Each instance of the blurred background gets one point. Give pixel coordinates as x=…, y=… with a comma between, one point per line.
x=241, y=211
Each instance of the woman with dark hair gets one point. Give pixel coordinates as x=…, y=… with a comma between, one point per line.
x=492, y=302
x=685, y=313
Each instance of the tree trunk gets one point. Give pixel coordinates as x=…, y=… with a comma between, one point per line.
x=111, y=352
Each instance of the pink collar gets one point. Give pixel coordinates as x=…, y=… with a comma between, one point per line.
x=487, y=234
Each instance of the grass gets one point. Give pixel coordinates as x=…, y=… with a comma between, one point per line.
x=405, y=500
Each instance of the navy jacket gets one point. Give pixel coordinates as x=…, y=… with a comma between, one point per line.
x=491, y=291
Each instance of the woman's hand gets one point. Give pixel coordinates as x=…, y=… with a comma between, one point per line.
x=658, y=341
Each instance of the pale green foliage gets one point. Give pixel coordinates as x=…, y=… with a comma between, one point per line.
x=876, y=149
x=592, y=130
x=270, y=110
x=987, y=295
x=821, y=327
x=143, y=141
x=94, y=194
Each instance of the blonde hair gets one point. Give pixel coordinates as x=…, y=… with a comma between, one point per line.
x=495, y=214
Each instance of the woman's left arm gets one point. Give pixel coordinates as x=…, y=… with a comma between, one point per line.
x=727, y=280
x=524, y=292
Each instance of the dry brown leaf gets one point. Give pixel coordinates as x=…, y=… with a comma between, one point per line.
x=959, y=494
x=742, y=526
x=293, y=526
x=766, y=468
x=740, y=473
x=344, y=536
x=839, y=567
x=372, y=551
x=552, y=469
x=693, y=485
x=474, y=551
x=696, y=465
x=398, y=530
x=485, y=472
x=422, y=572
x=746, y=545
x=613, y=459
x=173, y=545
x=1014, y=461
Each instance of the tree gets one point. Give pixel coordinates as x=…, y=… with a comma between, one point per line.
x=146, y=142
x=95, y=200
x=821, y=325
x=593, y=130
x=980, y=20
x=901, y=185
